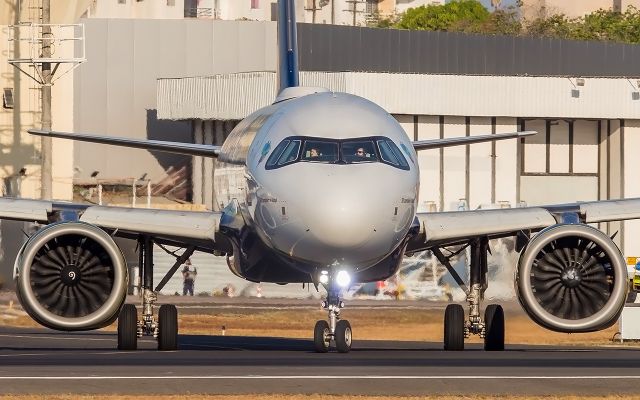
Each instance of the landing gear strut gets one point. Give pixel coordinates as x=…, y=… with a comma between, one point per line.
x=165, y=327
x=336, y=329
x=491, y=327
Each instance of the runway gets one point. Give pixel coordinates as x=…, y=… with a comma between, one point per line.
x=42, y=361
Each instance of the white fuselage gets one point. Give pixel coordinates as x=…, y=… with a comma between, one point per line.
x=337, y=211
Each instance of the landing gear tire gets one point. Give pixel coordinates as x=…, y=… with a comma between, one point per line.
x=494, y=328
x=128, y=328
x=454, y=328
x=322, y=336
x=342, y=336
x=167, y=327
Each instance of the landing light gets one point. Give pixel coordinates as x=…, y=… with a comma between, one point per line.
x=324, y=277
x=343, y=279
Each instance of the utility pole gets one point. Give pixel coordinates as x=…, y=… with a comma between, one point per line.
x=46, y=144
x=333, y=12
x=313, y=10
x=354, y=9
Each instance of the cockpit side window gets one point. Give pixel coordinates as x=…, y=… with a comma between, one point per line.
x=277, y=152
x=399, y=156
x=290, y=153
x=390, y=154
x=386, y=153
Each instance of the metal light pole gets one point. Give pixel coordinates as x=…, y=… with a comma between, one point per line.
x=46, y=144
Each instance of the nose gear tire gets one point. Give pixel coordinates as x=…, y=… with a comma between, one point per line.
x=128, y=328
x=494, y=328
x=167, y=327
x=454, y=328
x=321, y=336
x=342, y=336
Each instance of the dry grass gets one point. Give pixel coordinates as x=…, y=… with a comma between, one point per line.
x=420, y=325
x=299, y=397
x=388, y=324
x=412, y=324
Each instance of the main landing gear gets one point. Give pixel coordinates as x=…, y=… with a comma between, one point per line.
x=165, y=327
x=336, y=329
x=456, y=328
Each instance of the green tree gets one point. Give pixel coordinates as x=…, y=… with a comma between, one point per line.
x=556, y=26
x=610, y=25
x=460, y=15
x=471, y=17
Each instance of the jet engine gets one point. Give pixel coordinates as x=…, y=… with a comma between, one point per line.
x=71, y=276
x=572, y=278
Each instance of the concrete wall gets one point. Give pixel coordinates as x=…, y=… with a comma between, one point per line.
x=116, y=89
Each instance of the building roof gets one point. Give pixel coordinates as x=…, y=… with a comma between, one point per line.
x=234, y=96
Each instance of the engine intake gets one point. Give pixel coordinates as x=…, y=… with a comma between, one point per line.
x=71, y=276
x=572, y=278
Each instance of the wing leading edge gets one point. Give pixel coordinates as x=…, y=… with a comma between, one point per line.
x=201, y=229
x=190, y=149
x=459, y=141
x=437, y=229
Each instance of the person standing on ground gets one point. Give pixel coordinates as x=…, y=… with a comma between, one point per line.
x=189, y=274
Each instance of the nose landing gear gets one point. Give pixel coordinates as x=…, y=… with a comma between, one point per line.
x=336, y=330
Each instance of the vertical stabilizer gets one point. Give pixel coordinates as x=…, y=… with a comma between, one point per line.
x=287, y=45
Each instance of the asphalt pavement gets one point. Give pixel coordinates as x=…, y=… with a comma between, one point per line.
x=40, y=361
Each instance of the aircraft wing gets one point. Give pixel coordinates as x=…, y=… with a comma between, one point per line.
x=459, y=141
x=444, y=228
x=200, y=229
x=190, y=149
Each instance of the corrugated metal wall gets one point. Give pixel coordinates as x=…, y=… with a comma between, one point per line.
x=344, y=48
x=463, y=95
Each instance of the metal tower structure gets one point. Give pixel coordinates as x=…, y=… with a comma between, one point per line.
x=46, y=52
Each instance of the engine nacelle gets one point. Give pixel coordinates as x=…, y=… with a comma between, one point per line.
x=572, y=278
x=71, y=276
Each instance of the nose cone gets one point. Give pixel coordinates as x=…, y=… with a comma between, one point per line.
x=341, y=220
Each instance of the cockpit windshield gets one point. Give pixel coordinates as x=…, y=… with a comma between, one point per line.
x=358, y=151
x=320, y=151
x=349, y=151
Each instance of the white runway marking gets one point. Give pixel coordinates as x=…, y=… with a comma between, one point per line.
x=76, y=338
x=316, y=377
x=105, y=353
x=59, y=338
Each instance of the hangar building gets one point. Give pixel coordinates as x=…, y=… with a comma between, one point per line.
x=583, y=99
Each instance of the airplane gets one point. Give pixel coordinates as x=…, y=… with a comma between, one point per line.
x=319, y=188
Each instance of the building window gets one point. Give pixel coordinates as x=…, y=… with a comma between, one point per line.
x=371, y=7
x=122, y=1
x=171, y=3
x=7, y=98
x=561, y=147
x=255, y=3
